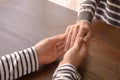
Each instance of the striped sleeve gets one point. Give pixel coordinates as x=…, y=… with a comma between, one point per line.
x=87, y=10
x=66, y=72
x=17, y=64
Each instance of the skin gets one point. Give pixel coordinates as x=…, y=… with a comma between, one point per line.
x=76, y=54
x=50, y=49
x=80, y=29
x=72, y=45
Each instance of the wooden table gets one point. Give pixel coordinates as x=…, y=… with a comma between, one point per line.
x=25, y=22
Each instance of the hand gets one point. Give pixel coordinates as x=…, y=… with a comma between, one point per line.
x=80, y=29
x=50, y=49
x=76, y=54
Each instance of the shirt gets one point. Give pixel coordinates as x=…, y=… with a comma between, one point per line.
x=105, y=10
x=17, y=64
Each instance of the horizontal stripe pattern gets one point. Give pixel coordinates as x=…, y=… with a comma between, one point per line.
x=106, y=10
x=17, y=64
x=66, y=72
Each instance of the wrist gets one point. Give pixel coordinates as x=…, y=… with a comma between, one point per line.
x=67, y=62
x=67, y=65
x=83, y=21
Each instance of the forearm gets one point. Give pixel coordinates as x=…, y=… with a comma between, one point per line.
x=87, y=10
x=17, y=64
x=66, y=72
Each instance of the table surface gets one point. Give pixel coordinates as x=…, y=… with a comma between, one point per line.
x=25, y=22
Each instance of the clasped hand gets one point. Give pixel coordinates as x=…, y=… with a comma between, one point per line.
x=72, y=45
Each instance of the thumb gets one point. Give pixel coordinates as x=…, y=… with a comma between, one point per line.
x=59, y=37
x=78, y=43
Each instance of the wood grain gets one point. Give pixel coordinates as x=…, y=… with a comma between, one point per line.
x=25, y=22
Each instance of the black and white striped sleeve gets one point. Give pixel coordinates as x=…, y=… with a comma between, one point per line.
x=17, y=64
x=66, y=72
x=87, y=10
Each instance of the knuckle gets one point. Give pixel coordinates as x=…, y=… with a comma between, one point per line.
x=49, y=40
x=78, y=24
x=69, y=25
x=84, y=28
x=77, y=27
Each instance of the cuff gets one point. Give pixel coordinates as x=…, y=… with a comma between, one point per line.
x=66, y=72
x=85, y=14
x=18, y=64
x=36, y=58
x=68, y=64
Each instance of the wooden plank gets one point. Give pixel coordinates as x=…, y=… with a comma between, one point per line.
x=23, y=23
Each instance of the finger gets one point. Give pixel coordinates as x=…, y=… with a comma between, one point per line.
x=82, y=32
x=83, y=51
x=58, y=38
x=66, y=33
x=67, y=30
x=60, y=47
x=75, y=32
x=61, y=53
x=69, y=35
x=78, y=43
x=87, y=37
x=58, y=43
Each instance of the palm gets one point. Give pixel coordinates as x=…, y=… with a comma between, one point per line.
x=50, y=49
x=50, y=52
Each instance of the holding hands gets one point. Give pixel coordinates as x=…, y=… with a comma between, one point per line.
x=77, y=36
x=80, y=29
x=76, y=54
x=72, y=45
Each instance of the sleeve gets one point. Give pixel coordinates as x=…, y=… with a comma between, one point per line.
x=87, y=10
x=66, y=72
x=17, y=64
